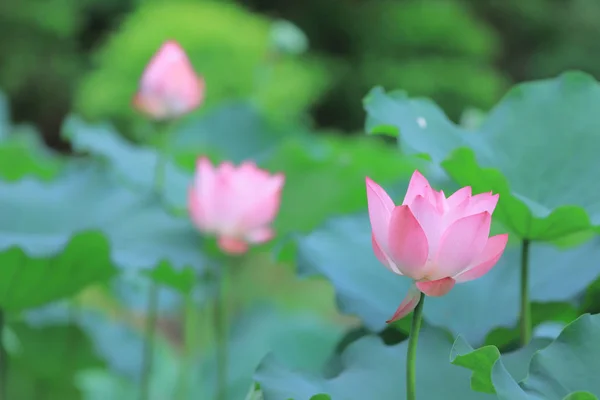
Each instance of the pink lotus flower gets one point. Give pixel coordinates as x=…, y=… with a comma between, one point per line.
x=237, y=205
x=169, y=86
x=434, y=240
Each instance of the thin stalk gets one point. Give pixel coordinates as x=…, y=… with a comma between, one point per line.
x=221, y=333
x=189, y=334
x=411, y=355
x=148, y=356
x=163, y=156
x=526, y=324
x=152, y=309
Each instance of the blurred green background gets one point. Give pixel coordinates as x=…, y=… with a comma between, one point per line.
x=285, y=83
x=86, y=55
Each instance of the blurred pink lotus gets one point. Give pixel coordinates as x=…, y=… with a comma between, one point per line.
x=434, y=240
x=237, y=205
x=169, y=86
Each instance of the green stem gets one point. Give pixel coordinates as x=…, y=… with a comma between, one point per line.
x=189, y=334
x=152, y=310
x=526, y=325
x=221, y=333
x=148, y=356
x=411, y=355
x=163, y=156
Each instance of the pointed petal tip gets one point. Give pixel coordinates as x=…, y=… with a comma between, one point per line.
x=171, y=44
x=490, y=256
x=279, y=178
x=408, y=304
x=418, y=174
x=419, y=177
x=203, y=160
x=418, y=185
x=503, y=237
x=374, y=188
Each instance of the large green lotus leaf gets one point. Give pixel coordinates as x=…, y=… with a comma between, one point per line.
x=524, y=150
x=372, y=370
x=38, y=269
x=566, y=367
x=24, y=154
x=54, y=234
x=117, y=343
x=46, y=361
x=302, y=340
x=135, y=165
x=341, y=251
x=463, y=355
x=335, y=168
x=235, y=131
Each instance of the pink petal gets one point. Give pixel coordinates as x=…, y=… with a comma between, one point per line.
x=196, y=210
x=418, y=186
x=408, y=304
x=382, y=257
x=459, y=196
x=483, y=202
x=408, y=247
x=441, y=201
x=232, y=245
x=436, y=288
x=224, y=198
x=380, y=211
x=201, y=196
x=455, y=213
x=239, y=202
x=487, y=259
x=169, y=86
x=205, y=175
x=260, y=235
x=262, y=200
x=460, y=244
x=226, y=169
x=430, y=218
x=250, y=170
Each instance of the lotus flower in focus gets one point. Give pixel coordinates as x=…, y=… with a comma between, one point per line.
x=169, y=86
x=434, y=240
x=237, y=204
